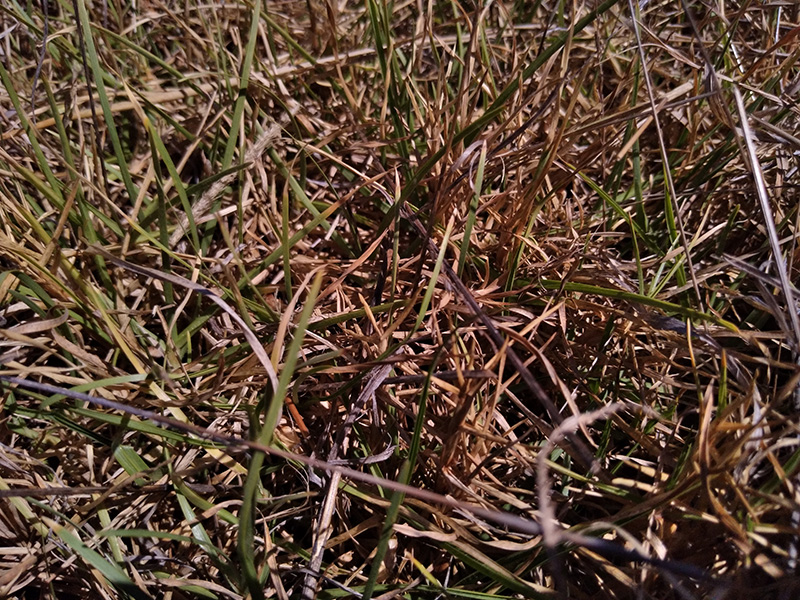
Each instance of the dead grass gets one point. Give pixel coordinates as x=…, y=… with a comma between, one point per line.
x=305, y=299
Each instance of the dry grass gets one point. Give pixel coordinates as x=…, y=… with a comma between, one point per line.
x=307, y=299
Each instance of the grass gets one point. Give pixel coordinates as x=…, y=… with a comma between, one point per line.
x=377, y=300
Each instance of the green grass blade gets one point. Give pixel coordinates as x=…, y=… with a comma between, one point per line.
x=115, y=576
x=108, y=115
x=245, y=544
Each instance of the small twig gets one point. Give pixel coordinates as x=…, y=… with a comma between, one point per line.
x=551, y=533
x=605, y=548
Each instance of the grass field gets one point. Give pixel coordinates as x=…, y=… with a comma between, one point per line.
x=399, y=300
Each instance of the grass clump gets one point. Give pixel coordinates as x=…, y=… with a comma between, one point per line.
x=386, y=300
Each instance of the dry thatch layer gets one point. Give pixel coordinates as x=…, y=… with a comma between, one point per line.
x=416, y=299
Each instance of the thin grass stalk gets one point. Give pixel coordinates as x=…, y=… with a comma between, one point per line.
x=473, y=209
